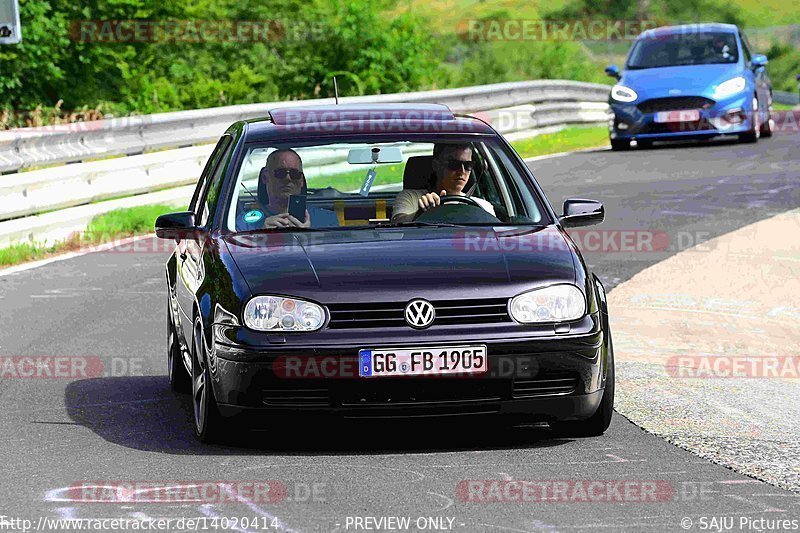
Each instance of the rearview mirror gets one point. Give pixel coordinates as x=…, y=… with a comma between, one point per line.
x=175, y=225
x=578, y=212
x=759, y=60
x=366, y=156
x=613, y=71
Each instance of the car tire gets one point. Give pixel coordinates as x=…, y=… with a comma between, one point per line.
x=598, y=423
x=767, y=126
x=208, y=424
x=752, y=135
x=619, y=145
x=179, y=379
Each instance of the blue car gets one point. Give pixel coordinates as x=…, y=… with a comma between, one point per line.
x=690, y=82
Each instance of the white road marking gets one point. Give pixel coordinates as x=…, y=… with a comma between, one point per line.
x=448, y=500
x=755, y=504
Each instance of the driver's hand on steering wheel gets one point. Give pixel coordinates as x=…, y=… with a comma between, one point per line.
x=431, y=200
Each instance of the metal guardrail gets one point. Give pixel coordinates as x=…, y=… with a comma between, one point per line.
x=70, y=143
x=782, y=97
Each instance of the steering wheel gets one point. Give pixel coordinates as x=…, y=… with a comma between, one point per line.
x=460, y=209
x=457, y=199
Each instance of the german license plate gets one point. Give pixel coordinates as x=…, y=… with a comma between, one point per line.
x=422, y=361
x=683, y=115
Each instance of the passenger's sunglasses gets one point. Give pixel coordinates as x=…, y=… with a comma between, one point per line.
x=280, y=173
x=456, y=164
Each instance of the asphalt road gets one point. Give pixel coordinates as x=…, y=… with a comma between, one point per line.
x=125, y=427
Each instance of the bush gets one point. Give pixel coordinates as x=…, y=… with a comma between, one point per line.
x=370, y=52
x=784, y=66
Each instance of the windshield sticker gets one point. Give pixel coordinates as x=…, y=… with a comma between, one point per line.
x=367, y=183
x=253, y=216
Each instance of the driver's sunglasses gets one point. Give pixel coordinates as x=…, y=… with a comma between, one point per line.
x=456, y=164
x=294, y=173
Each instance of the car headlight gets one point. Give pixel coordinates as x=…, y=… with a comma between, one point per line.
x=732, y=86
x=277, y=313
x=620, y=93
x=557, y=303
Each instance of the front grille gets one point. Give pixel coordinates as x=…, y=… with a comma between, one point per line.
x=389, y=392
x=391, y=314
x=546, y=386
x=677, y=127
x=421, y=391
x=675, y=103
x=296, y=397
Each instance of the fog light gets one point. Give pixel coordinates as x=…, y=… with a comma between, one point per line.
x=622, y=126
x=735, y=116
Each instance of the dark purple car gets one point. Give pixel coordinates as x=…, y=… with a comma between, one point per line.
x=382, y=261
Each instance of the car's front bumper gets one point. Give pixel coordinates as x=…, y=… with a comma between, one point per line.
x=729, y=116
x=545, y=378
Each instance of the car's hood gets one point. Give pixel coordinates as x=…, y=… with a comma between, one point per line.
x=689, y=80
x=399, y=264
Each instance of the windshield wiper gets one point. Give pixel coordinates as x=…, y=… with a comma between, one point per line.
x=505, y=224
x=419, y=225
x=284, y=230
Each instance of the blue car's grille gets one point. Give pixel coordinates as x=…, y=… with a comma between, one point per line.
x=654, y=105
x=678, y=127
x=391, y=314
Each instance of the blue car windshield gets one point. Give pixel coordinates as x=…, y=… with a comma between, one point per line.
x=678, y=49
x=369, y=184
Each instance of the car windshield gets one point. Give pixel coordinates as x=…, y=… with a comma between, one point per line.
x=304, y=186
x=683, y=49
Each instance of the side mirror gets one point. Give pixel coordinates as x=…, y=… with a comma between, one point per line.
x=613, y=71
x=759, y=60
x=579, y=213
x=175, y=225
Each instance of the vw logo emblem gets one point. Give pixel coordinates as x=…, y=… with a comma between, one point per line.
x=420, y=313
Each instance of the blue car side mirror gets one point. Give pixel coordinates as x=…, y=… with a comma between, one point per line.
x=759, y=60
x=613, y=71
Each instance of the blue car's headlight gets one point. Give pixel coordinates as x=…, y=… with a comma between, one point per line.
x=620, y=93
x=278, y=313
x=732, y=86
x=557, y=303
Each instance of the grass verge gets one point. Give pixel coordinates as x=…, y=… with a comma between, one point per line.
x=116, y=224
x=566, y=140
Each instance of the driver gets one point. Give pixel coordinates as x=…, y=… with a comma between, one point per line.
x=721, y=48
x=452, y=164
